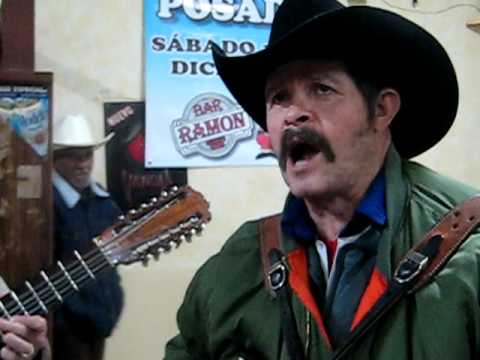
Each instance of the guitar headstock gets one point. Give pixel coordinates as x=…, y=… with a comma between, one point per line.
x=156, y=227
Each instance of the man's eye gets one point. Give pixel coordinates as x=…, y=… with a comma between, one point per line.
x=278, y=97
x=321, y=88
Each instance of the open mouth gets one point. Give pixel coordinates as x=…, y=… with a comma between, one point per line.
x=302, y=152
x=300, y=145
x=81, y=177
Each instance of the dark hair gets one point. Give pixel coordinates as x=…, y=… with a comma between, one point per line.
x=368, y=83
x=369, y=92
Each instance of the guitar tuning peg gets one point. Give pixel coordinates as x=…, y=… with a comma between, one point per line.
x=174, y=189
x=173, y=243
x=164, y=193
x=182, y=238
x=153, y=200
x=156, y=254
x=193, y=231
x=174, y=230
x=145, y=260
x=194, y=219
x=121, y=217
x=132, y=212
x=144, y=206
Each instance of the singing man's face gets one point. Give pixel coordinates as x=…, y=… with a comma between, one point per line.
x=320, y=128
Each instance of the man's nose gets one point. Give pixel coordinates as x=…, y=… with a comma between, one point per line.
x=296, y=115
x=83, y=162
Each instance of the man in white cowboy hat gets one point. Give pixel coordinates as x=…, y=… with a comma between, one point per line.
x=83, y=209
x=348, y=95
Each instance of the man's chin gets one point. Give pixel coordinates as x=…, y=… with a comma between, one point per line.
x=300, y=191
x=299, y=188
x=80, y=185
x=305, y=186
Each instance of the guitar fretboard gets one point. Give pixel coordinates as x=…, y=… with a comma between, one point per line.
x=50, y=290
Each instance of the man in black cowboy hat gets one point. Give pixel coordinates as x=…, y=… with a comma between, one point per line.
x=345, y=109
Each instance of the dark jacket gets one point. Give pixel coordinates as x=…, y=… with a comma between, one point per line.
x=91, y=314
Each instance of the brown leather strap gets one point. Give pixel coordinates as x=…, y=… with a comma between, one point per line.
x=445, y=238
x=269, y=239
x=275, y=274
x=454, y=229
x=449, y=234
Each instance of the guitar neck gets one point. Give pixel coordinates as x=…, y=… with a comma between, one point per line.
x=49, y=290
x=155, y=228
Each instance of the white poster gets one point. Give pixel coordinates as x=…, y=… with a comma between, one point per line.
x=191, y=118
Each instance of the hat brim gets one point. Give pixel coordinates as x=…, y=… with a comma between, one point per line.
x=94, y=145
x=380, y=43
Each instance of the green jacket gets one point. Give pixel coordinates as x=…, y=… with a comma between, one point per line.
x=228, y=314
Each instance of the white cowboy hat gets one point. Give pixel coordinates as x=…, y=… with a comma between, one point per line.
x=75, y=131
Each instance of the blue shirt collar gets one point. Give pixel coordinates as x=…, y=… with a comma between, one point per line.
x=373, y=203
x=68, y=192
x=297, y=222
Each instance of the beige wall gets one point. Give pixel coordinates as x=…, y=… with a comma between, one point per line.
x=94, y=48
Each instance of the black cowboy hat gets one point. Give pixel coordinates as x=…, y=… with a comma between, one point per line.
x=384, y=47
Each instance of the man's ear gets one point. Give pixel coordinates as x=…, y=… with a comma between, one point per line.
x=386, y=108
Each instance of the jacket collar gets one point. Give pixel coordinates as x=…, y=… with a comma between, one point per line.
x=398, y=192
x=68, y=192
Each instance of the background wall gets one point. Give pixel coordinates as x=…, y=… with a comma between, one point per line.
x=95, y=49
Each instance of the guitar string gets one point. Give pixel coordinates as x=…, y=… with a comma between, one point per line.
x=51, y=300
x=61, y=282
x=75, y=268
x=36, y=308
x=79, y=274
x=33, y=306
x=43, y=289
x=58, y=279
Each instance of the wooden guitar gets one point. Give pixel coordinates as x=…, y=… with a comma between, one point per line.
x=155, y=228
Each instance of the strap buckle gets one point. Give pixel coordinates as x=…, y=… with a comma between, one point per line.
x=410, y=267
x=277, y=276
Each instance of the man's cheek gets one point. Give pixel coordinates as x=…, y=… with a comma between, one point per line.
x=276, y=147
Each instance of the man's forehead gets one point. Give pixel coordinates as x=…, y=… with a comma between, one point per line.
x=303, y=69
x=75, y=152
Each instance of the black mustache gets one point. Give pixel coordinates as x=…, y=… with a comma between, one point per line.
x=306, y=136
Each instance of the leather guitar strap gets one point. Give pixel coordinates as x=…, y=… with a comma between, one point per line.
x=269, y=239
x=276, y=280
x=418, y=266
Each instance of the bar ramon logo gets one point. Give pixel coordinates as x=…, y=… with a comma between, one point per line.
x=211, y=125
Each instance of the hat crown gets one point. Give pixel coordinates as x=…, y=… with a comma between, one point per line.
x=293, y=13
x=74, y=131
